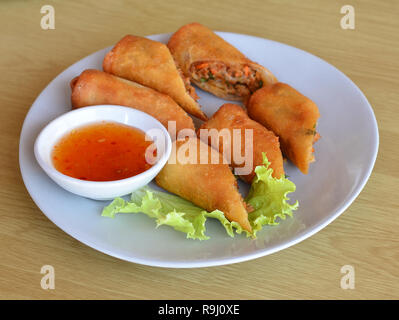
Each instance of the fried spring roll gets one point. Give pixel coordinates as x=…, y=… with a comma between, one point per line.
x=210, y=186
x=233, y=117
x=150, y=63
x=292, y=117
x=215, y=65
x=95, y=87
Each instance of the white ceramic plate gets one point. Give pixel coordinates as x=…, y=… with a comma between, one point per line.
x=345, y=158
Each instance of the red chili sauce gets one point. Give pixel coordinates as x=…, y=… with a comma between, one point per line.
x=104, y=151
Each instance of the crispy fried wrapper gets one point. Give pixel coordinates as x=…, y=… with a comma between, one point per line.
x=292, y=117
x=235, y=120
x=215, y=65
x=95, y=87
x=191, y=175
x=150, y=63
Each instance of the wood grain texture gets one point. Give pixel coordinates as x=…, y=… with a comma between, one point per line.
x=365, y=236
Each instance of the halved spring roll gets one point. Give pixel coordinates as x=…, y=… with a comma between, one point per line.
x=292, y=117
x=150, y=63
x=233, y=118
x=95, y=87
x=208, y=185
x=215, y=65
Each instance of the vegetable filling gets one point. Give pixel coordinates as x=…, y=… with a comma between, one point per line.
x=189, y=88
x=238, y=80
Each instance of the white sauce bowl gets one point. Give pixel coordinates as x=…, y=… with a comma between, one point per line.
x=102, y=190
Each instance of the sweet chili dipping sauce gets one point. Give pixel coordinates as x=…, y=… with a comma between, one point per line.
x=103, y=151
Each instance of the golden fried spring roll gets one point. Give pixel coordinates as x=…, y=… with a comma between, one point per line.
x=233, y=117
x=95, y=87
x=291, y=116
x=150, y=63
x=215, y=65
x=209, y=186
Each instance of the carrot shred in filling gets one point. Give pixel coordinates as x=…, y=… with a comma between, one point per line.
x=202, y=65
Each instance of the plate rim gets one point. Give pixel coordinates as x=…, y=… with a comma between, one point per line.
x=229, y=260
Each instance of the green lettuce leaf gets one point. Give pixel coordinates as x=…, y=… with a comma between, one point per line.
x=168, y=209
x=267, y=196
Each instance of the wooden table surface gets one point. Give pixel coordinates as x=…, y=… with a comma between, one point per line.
x=364, y=236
